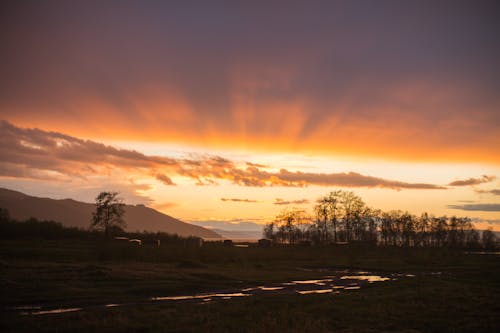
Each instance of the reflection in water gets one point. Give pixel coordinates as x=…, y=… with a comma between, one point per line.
x=312, y=281
x=203, y=296
x=314, y=291
x=369, y=278
x=271, y=288
x=54, y=311
x=346, y=280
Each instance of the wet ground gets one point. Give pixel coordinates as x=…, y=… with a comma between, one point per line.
x=334, y=283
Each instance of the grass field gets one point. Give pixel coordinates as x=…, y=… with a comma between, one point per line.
x=464, y=297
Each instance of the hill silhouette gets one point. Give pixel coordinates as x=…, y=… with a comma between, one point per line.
x=74, y=213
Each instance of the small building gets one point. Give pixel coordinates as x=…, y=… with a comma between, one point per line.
x=227, y=242
x=193, y=242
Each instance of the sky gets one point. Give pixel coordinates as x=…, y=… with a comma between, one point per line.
x=231, y=111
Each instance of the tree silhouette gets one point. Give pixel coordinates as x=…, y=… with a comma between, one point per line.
x=328, y=212
x=291, y=226
x=342, y=216
x=109, y=212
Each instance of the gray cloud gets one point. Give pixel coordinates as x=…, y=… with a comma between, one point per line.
x=473, y=181
x=494, y=191
x=164, y=179
x=488, y=207
x=239, y=200
x=489, y=221
x=279, y=201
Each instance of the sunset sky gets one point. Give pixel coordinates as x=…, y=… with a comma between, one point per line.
x=232, y=110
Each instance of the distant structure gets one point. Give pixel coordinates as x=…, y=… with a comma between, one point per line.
x=193, y=242
x=228, y=242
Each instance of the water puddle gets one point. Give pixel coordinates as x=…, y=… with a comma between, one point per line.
x=313, y=281
x=205, y=297
x=368, y=278
x=271, y=288
x=314, y=291
x=112, y=305
x=54, y=311
x=342, y=281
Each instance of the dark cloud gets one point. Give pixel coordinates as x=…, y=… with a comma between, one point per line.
x=257, y=165
x=494, y=191
x=488, y=207
x=33, y=153
x=164, y=179
x=489, y=221
x=279, y=201
x=366, y=72
x=349, y=179
x=46, y=150
x=473, y=181
x=240, y=200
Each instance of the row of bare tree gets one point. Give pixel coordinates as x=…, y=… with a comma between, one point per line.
x=342, y=216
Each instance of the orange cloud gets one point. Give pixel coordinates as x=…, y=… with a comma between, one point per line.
x=34, y=153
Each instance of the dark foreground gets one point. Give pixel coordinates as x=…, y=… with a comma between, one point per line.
x=451, y=291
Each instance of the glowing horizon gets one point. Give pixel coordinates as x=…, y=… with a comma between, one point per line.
x=191, y=184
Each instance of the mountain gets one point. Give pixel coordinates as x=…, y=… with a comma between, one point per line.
x=235, y=230
x=239, y=234
x=73, y=213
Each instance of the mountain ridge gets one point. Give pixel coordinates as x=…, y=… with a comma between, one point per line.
x=72, y=213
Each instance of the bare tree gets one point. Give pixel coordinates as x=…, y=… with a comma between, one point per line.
x=292, y=225
x=343, y=216
x=328, y=213
x=109, y=212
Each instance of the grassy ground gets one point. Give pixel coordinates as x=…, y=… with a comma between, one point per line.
x=464, y=298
